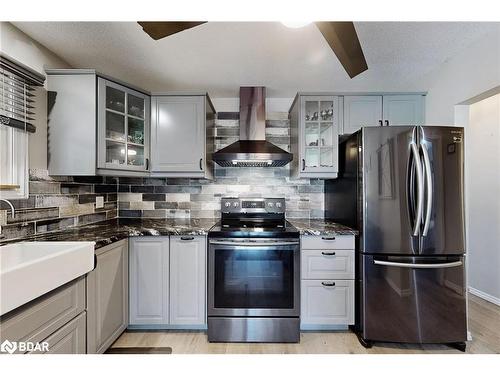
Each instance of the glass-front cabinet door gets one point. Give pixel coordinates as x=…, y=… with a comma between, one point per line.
x=319, y=135
x=123, y=127
x=319, y=143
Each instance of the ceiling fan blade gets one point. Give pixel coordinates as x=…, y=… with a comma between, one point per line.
x=158, y=30
x=342, y=38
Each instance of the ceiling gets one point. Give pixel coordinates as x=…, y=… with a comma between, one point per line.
x=221, y=56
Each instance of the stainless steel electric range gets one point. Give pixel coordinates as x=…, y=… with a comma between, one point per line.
x=253, y=273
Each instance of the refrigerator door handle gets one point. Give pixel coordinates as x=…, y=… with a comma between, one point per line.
x=420, y=188
x=458, y=263
x=428, y=182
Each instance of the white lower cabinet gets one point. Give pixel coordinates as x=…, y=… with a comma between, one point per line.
x=327, y=302
x=168, y=282
x=70, y=339
x=187, y=280
x=327, y=282
x=107, y=297
x=149, y=281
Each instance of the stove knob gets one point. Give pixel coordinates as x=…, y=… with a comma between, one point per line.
x=227, y=204
x=270, y=204
x=278, y=204
x=235, y=204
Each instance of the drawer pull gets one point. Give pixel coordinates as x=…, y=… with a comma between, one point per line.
x=328, y=238
x=325, y=253
x=187, y=238
x=325, y=283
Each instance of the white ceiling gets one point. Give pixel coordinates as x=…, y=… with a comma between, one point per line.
x=221, y=56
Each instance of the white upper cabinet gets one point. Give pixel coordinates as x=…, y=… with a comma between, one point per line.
x=180, y=127
x=403, y=109
x=360, y=111
x=95, y=125
x=123, y=127
x=100, y=126
x=382, y=110
x=314, y=129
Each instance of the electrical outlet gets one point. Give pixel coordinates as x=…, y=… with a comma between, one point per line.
x=99, y=202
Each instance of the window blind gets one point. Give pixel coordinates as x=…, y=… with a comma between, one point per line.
x=17, y=94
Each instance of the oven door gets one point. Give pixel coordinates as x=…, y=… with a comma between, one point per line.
x=253, y=278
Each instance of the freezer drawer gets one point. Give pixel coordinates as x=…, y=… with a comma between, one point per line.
x=414, y=299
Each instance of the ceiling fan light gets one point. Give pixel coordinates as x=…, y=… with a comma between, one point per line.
x=295, y=24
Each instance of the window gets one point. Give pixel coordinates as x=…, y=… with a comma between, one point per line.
x=17, y=94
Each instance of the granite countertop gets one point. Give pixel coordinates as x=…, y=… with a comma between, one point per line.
x=109, y=231
x=106, y=232
x=321, y=227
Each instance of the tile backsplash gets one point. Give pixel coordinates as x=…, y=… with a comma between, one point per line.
x=198, y=198
x=56, y=203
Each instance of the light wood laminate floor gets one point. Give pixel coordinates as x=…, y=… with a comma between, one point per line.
x=484, y=324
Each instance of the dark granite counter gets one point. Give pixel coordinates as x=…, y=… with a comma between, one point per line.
x=321, y=227
x=109, y=231
x=106, y=232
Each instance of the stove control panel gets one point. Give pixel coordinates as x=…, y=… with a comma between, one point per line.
x=258, y=205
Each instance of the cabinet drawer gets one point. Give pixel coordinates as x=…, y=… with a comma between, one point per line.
x=70, y=339
x=343, y=242
x=40, y=318
x=322, y=304
x=327, y=264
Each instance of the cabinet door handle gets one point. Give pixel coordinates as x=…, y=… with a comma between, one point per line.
x=201, y=162
x=324, y=283
x=95, y=262
x=187, y=238
x=386, y=122
x=303, y=164
x=325, y=253
x=328, y=238
x=380, y=123
x=147, y=164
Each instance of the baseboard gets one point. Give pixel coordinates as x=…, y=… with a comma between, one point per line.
x=167, y=327
x=485, y=296
x=324, y=327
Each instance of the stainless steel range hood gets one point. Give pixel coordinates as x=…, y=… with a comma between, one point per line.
x=252, y=150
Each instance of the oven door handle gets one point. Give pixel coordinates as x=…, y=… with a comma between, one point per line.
x=255, y=244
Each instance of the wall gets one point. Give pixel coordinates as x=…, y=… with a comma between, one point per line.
x=475, y=70
x=19, y=46
x=483, y=187
x=273, y=105
x=57, y=203
x=198, y=198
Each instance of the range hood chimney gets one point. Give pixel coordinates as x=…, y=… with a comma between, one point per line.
x=252, y=150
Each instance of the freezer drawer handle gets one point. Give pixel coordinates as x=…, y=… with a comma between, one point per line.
x=328, y=238
x=413, y=265
x=325, y=253
x=324, y=283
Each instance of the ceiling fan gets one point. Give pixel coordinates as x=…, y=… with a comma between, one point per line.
x=341, y=36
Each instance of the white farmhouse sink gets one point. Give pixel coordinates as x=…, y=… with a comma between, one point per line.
x=31, y=269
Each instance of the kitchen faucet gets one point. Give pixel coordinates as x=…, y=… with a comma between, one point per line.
x=13, y=212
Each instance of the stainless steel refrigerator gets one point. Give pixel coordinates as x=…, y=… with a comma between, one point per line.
x=402, y=188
